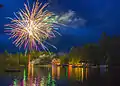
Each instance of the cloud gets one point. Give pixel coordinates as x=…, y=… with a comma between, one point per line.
x=69, y=19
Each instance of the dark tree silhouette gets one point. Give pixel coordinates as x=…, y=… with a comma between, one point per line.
x=111, y=48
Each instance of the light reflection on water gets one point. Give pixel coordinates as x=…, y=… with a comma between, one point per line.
x=44, y=76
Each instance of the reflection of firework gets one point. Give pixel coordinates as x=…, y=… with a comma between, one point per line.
x=32, y=27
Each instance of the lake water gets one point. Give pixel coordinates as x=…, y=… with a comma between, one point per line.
x=61, y=76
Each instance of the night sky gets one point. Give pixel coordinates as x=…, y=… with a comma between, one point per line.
x=100, y=16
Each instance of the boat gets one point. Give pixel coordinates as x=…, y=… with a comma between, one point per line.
x=12, y=70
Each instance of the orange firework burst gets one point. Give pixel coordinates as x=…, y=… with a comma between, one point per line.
x=31, y=27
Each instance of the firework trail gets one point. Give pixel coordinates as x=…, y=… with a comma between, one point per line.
x=31, y=27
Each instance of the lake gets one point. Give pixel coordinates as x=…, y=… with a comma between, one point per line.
x=61, y=76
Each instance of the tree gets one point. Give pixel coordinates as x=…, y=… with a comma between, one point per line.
x=64, y=59
x=92, y=53
x=74, y=55
x=111, y=48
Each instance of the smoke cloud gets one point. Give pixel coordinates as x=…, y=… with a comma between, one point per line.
x=69, y=19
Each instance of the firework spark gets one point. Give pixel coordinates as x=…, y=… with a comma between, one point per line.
x=31, y=27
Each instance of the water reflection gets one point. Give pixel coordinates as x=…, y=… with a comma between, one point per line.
x=58, y=72
x=77, y=73
x=31, y=79
x=44, y=76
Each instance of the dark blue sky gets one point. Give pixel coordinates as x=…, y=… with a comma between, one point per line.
x=100, y=15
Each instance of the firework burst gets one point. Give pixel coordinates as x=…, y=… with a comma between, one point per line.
x=31, y=27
